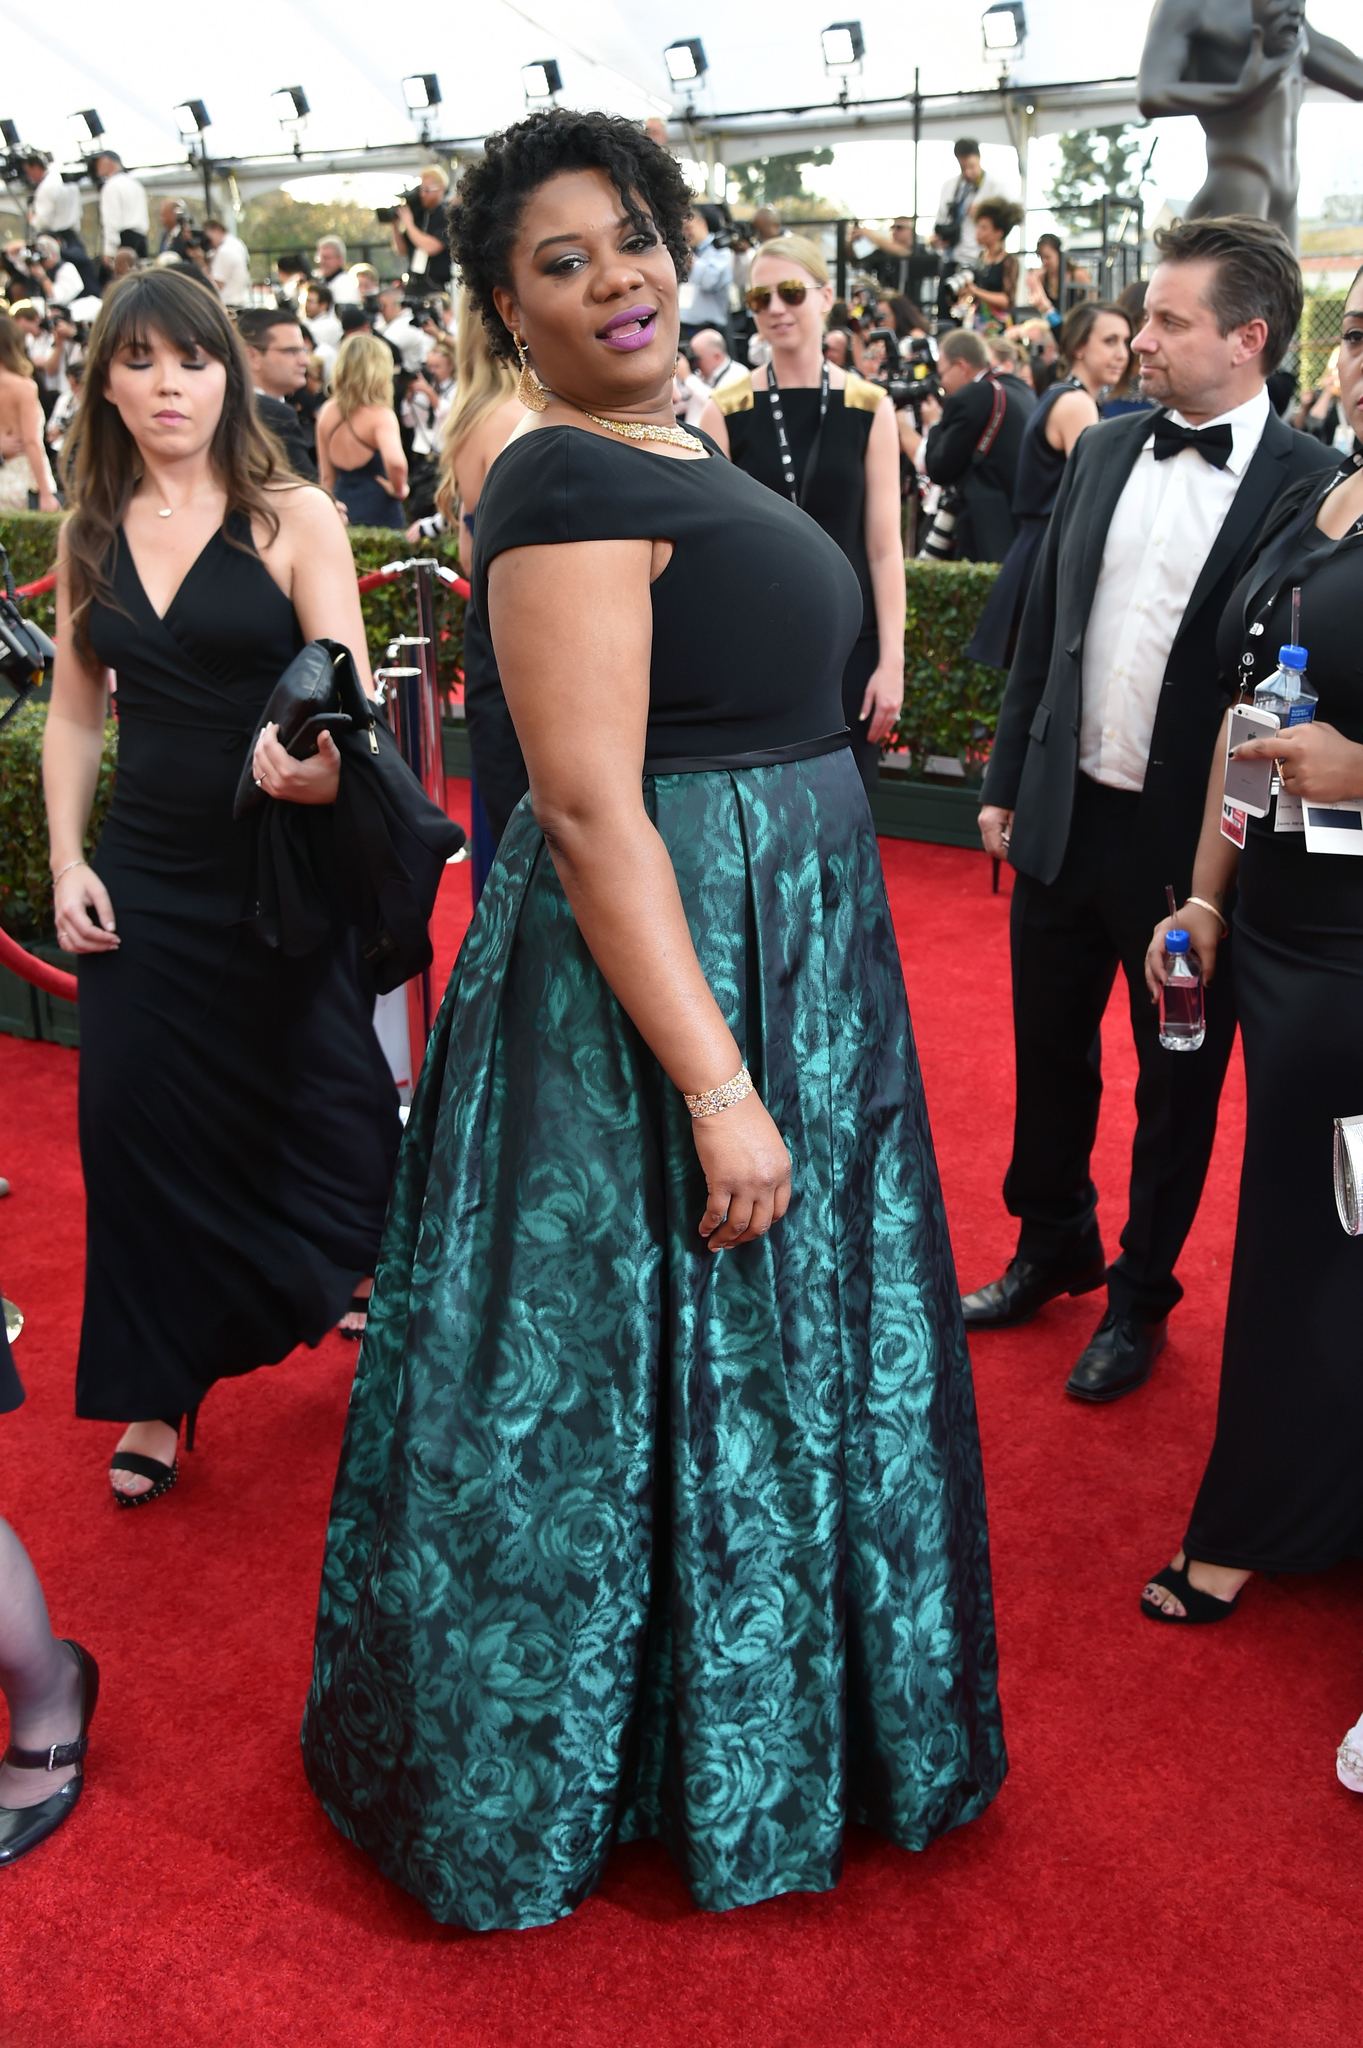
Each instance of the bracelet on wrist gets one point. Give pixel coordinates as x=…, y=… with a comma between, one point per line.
x=712, y=1100
x=1203, y=904
x=66, y=870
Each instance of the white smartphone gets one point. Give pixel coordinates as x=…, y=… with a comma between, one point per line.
x=1249, y=784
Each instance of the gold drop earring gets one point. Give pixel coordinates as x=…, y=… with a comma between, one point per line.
x=530, y=391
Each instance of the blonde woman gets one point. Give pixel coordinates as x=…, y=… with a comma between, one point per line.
x=25, y=466
x=485, y=414
x=826, y=438
x=359, y=449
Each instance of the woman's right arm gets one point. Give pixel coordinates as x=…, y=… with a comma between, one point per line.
x=32, y=430
x=73, y=745
x=388, y=441
x=573, y=629
x=1214, y=870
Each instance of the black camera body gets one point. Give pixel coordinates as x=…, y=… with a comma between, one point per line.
x=389, y=214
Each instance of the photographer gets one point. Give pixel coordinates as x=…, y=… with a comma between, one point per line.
x=704, y=296
x=421, y=230
x=55, y=275
x=395, y=323
x=124, y=222
x=974, y=447
x=45, y=339
x=330, y=261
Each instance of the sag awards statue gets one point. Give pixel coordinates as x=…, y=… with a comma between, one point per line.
x=1241, y=66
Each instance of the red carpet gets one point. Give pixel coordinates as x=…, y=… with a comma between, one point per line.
x=1170, y=1862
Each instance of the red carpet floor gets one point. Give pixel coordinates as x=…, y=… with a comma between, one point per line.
x=1171, y=1860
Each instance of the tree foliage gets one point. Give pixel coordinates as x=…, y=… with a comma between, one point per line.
x=777, y=180
x=275, y=220
x=1094, y=161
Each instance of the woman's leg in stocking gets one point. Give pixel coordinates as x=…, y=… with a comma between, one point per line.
x=39, y=1677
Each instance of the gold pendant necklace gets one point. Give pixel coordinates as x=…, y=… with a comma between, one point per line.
x=637, y=430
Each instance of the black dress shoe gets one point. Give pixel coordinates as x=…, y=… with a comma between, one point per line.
x=1118, y=1358
x=1027, y=1286
x=23, y=1827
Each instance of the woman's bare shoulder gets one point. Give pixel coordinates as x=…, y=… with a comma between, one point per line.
x=303, y=510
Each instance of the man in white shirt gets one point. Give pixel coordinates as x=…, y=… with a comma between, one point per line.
x=954, y=231
x=715, y=367
x=54, y=208
x=1097, y=778
x=230, y=264
x=124, y=222
x=396, y=326
x=330, y=261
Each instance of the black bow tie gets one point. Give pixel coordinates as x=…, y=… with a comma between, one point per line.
x=1213, y=444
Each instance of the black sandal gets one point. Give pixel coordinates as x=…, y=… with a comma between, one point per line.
x=359, y=1306
x=23, y=1827
x=1199, y=1606
x=162, y=1476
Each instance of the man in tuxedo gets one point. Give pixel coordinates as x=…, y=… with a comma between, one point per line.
x=278, y=356
x=974, y=447
x=1096, y=783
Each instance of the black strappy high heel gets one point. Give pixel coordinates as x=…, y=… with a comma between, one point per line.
x=162, y=1476
x=23, y=1827
x=1198, y=1606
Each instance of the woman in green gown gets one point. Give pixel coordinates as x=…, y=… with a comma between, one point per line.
x=660, y=1509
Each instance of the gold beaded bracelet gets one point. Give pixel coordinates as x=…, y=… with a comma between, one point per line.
x=715, y=1099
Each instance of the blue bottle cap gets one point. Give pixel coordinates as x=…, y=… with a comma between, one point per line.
x=1176, y=942
x=1292, y=657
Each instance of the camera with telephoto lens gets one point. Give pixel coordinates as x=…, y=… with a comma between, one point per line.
x=26, y=653
x=388, y=214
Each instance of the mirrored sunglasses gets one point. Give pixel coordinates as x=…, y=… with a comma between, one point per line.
x=790, y=292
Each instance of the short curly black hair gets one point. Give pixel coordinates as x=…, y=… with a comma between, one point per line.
x=493, y=192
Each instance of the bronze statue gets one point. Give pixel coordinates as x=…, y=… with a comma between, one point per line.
x=1240, y=66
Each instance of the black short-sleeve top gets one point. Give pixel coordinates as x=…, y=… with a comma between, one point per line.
x=754, y=615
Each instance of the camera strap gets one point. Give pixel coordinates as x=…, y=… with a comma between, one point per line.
x=797, y=495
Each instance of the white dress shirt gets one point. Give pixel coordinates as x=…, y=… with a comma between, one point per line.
x=55, y=206
x=1163, y=529
x=122, y=204
x=407, y=339
x=344, y=287
x=230, y=269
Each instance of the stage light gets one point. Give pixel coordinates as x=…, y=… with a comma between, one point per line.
x=843, y=45
x=421, y=91
x=197, y=111
x=685, y=62
x=9, y=134
x=94, y=127
x=542, y=81
x=1005, y=27
x=290, y=104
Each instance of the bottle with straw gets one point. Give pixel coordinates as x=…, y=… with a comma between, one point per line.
x=1287, y=693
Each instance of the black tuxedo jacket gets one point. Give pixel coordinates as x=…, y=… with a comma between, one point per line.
x=1035, y=759
x=283, y=422
x=984, y=529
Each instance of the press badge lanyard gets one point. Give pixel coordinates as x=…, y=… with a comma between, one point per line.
x=778, y=420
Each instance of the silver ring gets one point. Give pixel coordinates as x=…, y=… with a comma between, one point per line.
x=259, y=783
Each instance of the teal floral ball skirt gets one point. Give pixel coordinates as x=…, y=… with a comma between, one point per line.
x=629, y=1538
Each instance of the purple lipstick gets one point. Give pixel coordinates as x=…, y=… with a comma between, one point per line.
x=631, y=330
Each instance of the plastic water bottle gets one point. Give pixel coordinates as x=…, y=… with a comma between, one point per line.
x=1287, y=692
x=1182, y=1020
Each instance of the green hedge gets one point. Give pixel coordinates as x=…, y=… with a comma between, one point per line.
x=950, y=704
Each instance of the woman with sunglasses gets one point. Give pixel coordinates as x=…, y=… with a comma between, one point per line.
x=826, y=439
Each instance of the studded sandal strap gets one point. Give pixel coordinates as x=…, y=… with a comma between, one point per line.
x=54, y=1759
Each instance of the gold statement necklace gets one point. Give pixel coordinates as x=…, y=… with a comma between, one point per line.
x=638, y=430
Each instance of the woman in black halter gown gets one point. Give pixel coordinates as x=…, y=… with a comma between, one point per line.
x=238, y=1122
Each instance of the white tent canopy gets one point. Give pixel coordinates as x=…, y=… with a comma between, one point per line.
x=350, y=61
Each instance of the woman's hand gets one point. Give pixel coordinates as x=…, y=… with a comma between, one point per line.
x=314, y=781
x=883, y=701
x=1036, y=291
x=1314, y=760
x=84, y=914
x=747, y=1173
x=1206, y=934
